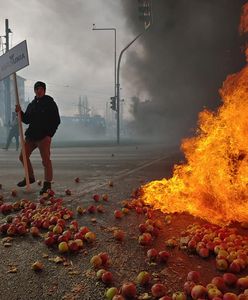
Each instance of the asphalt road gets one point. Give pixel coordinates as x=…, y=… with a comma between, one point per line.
x=127, y=167
x=94, y=165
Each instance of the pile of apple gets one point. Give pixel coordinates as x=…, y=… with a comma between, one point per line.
x=229, y=248
x=220, y=287
x=7, y=208
x=49, y=217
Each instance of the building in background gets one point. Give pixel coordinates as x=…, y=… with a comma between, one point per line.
x=21, y=90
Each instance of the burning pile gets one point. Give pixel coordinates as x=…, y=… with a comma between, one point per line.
x=213, y=184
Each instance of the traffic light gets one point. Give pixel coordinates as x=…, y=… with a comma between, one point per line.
x=145, y=12
x=113, y=103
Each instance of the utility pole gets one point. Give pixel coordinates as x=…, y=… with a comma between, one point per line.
x=7, y=80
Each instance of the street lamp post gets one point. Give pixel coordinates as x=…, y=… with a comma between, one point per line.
x=118, y=82
x=145, y=7
x=118, y=86
x=113, y=29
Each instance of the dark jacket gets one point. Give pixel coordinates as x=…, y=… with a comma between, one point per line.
x=42, y=115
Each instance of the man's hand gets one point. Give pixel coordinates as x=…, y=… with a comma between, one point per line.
x=18, y=108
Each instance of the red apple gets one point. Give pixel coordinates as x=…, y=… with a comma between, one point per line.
x=79, y=243
x=12, y=230
x=90, y=237
x=139, y=210
x=73, y=245
x=118, y=214
x=96, y=197
x=91, y=209
x=62, y=238
x=57, y=229
x=219, y=283
x=96, y=261
x=49, y=241
x=158, y=290
x=84, y=230
x=105, y=197
x=67, y=234
x=61, y=222
x=75, y=223
x=128, y=290
x=242, y=283
x=107, y=277
x=230, y=296
x=198, y=291
x=142, y=228
x=45, y=224
x=105, y=258
x=221, y=264
x=230, y=279
x=203, y=252
x=100, y=208
x=78, y=235
x=53, y=220
x=193, y=276
x=145, y=239
x=234, y=267
x=21, y=229
x=119, y=235
x=163, y=256
x=152, y=254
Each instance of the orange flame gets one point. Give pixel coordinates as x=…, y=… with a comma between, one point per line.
x=213, y=184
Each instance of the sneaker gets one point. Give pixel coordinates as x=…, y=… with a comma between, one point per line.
x=23, y=182
x=46, y=186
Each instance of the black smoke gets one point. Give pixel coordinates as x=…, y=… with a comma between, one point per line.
x=188, y=52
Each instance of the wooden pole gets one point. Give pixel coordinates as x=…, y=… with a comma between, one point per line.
x=21, y=134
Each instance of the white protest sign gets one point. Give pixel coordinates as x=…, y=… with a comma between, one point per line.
x=13, y=60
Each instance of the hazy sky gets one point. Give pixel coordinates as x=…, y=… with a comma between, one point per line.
x=178, y=65
x=63, y=50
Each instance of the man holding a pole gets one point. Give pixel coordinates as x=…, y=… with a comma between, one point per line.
x=43, y=118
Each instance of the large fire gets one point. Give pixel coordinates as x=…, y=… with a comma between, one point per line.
x=213, y=183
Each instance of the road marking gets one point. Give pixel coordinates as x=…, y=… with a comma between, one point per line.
x=125, y=173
